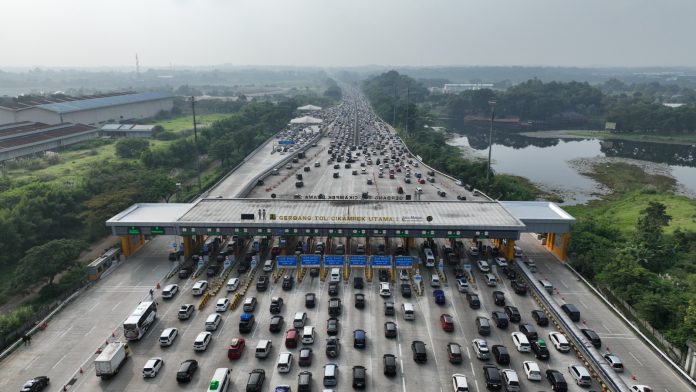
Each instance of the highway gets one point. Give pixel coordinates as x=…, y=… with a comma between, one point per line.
x=69, y=343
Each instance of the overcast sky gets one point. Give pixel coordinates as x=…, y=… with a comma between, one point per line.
x=348, y=32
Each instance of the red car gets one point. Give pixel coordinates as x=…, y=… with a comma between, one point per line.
x=291, y=338
x=236, y=348
x=275, y=251
x=421, y=180
x=447, y=322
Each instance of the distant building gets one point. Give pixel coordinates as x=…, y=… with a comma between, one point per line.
x=454, y=88
x=309, y=108
x=28, y=138
x=126, y=130
x=95, y=109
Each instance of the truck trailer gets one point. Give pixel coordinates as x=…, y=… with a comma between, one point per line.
x=111, y=359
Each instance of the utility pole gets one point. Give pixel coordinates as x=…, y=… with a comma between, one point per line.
x=195, y=145
x=490, y=139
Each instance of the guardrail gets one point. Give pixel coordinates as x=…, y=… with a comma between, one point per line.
x=607, y=378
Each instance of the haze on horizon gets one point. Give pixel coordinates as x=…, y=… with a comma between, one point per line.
x=88, y=33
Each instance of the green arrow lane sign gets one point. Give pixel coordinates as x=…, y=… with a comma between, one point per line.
x=133, y=230
x=156, y=230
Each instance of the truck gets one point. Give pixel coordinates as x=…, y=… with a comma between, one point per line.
x=111, y=359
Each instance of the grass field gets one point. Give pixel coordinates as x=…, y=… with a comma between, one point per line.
x=633, y=190
x=184, y=123
x=669, y=139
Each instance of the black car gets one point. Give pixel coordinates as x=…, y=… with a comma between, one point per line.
x=501, y=354
x=360, y=301
x=35, y=384
x=557, y=381
x=185, y=272
x=494, y=379
x=511, y=274
x=262, y=283
x=276, y=305
x=592, y=337
x=406, y=290
x=358, y=282
x=359, y=338
x=255, y=381
x=305, y=357
x=333, y=347
x=540, y=317
x=314, y=272
x=389, y=361
x=334, y=307
x=529, y=331
x=500, y=319
x=383, y=275
x=213, y=269
x=519, y=287
x=359, y=377
x=499, y=298
x=332, y=326
x=539, y=349
x=276, y=324
x=333, y=288
x=186, y=370
x=304, y=381
x=390, y=329
x=310, y=300
x=513, y=314
x=288, y=282
x=473, y=299
x=419, y=353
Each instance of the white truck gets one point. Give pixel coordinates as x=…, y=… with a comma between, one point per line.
x=111, y=359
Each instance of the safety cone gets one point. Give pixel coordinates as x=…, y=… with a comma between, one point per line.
x=633, y=377
x=158, y=286
x=113, y=334
x=65, y=387
x=81, y=371
x=107, y=342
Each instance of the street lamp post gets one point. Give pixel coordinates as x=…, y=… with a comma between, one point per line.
x=195, y=141
x=490, y=139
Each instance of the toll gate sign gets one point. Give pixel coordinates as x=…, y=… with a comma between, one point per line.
x=333, y=261
x=310, y=260
x=381, y=261
x=287, y=261
x=358, y=261
x=404, y=262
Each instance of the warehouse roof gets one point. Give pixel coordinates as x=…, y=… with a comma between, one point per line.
x=30, y=102
x=43, y=132
x=96, y=103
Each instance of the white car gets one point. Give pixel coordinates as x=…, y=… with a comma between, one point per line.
x=483, y=266
x=641, y=388
x=285, y=362
x=531, y=369
x=501, y=262
x=170, y=290
x=222, y=305
x=199, y=287
x=152, y=367
x=167, y=337
x=202, y=341
x=462, y=285
x=481, y=349
x=459, y=383
x=384, y=289
x=559, y=341
x=521, y=342
x=232, y=284
x=403, y=274
x=473, y=251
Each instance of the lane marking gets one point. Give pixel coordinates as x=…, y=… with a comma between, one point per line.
x=583, y=304
x=116, y=306
x=59, y=361
x=91, y=329
x=634, y=357
x=94, y=306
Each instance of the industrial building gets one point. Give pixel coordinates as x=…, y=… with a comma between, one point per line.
x=95, y=109
x=28, y=138
x=454, y=88
x=126, y=130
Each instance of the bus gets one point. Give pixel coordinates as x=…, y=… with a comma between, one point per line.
x=429, y=257
x=140, y=320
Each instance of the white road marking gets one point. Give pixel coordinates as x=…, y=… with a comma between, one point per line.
x=583, y=304
x=59, y=361
x=634, y=357
x=94, y=306
x=91, y=329
x=116, y=306
x=605, y=327
x=64, y=333
x=138, y=267
x=563, y=283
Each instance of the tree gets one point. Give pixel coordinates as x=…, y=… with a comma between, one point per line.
x=48, y=259
x=131, y=147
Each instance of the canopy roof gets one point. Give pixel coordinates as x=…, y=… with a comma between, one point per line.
x=306, y=120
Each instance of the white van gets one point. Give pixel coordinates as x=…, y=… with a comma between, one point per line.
x=268, y=266
x=232, y=284
x=335, y=275
x=212, y=322
x=263, y=348
x=284, y=362
x=308, y=335
x=409, y=312
x=510, y=380
x=434, y=280
x=299, y=320
x=220, y=381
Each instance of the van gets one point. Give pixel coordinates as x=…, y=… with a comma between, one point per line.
x=299, y=320
x=429, y=257
x=580, y=374
x=491, y=280
x=212, y=322
x=330, y=374
x=409, y=312
x=308, y=335
x=483, y=325
x=546, y=285
x=268, y=266
x=220, y=381
x=510, y=380
x=263, y=348
x=284, y=362
x=335, y=275
x=571, y=311
x=434, y=280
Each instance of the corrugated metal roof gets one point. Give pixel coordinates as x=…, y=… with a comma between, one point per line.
x=155, y=213
x=540, y=216
x=95, y=103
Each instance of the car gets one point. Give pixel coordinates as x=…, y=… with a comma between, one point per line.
x=170, y=291
x=35, y=384
x=288, y=282
x=333, y=288
x=333, y=347
x=310, y=300
x=305, y=357
x=285, y=360
x=557, y=381
x=359, y=338
x=246, y=322
x=236, y=348
x=185, y=311
x=403, y=275
x=335, y=307
x=500, y=319
x=473, y=251
x=276, y=324
x=384, y=289
x=521, y=342
x=255, y=380
x=592, y=337
x=439, y=296
x=499, y=298
x=249, y=304
x=462, y=285
x=581, y=375
x=531, y=369
x=383, y=275
x=262, y=283
x=454, y=352
x=480, y=347
x=358, y=282
x=232, y=285
x=559, y=341
x=332, y=326
x=641, y=388
x=300, y=320
x=406, y=290
x=276, y=305
x=494, y=379
x=459, y=383
x=540, y=317
x=529, y=331
x=419, y=353
x=202, y=341
x=359, y=300
x=519, y=287
x=167, y=337
x=614, y=362
x=222, y=304
x=473, y=300
x=539, y=348
x=359, y=377
x=501, y=354
x=390, y=329
x=447, y=322
x=186, y=370
x=389, y=361
x=513, y=314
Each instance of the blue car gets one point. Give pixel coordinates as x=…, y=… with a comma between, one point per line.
x=439, y=297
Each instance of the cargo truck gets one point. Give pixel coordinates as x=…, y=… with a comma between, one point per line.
x=111, y=359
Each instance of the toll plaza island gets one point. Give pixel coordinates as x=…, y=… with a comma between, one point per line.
x=499, y=222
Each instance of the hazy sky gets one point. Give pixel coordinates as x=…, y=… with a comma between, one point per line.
x=347, y=32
